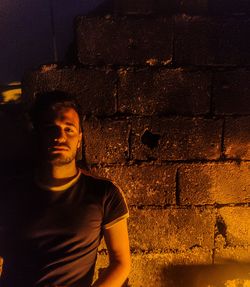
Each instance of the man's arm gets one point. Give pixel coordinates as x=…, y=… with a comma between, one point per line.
x=116, y=238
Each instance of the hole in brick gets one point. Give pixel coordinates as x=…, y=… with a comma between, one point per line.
x=221, y=226
x=150, y=140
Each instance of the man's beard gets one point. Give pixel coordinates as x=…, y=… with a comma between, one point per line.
x=61, y=159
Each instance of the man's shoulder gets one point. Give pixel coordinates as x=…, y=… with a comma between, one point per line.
x=94, y=178
x=98, y=182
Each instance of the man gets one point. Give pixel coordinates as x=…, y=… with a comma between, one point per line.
x=51, y=226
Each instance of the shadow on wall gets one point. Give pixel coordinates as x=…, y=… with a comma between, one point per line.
x=223, y=275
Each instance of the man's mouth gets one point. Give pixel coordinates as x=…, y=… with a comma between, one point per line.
x=58, y=148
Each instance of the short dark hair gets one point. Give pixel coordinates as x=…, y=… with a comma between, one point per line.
x=55, y=100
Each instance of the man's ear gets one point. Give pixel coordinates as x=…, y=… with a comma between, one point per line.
x=79, y=148
x=79, y=144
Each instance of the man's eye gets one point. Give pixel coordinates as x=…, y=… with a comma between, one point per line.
x=69, y=130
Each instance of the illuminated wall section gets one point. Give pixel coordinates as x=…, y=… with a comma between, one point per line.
x=166, y=98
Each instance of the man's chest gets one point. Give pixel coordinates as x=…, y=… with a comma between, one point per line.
x=37, y=221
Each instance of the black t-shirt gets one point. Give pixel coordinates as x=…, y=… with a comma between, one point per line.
x=51, y=238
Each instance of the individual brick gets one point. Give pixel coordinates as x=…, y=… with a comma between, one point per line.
x=231, y=92
x=237, y=138
x=144, y=184
x=203, y=41
x=171, y=91
x=175, y=138
x=106, y=141
x=94, y=89
x=124, y=41
x=232, y=183
x=224, y=183
x=235, y=222
x=174, y=229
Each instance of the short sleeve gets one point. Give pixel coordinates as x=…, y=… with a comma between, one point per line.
x=115, y=206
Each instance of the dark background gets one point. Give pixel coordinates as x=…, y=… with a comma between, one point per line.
x=36, y=32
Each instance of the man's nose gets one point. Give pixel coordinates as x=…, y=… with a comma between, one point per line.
x=60, y=136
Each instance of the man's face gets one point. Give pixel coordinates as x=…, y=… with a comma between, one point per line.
x=60, y=136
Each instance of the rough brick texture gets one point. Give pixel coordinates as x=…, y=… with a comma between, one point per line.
x=144, y=184
x=200, y=41
x=142, y=273
x=234, y=225
x=192, y=268
x=237, y=138
x=231, y=92
x=171, y=229
x=106, y=141
x=176, y=139
x=166, y=91
x=94, y=89
x=237, y=254
x=201, y=184
x=124, y=41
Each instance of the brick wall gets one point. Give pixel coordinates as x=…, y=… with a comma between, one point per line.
x=166, y=96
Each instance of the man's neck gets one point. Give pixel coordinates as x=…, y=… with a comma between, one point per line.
x=54, y=175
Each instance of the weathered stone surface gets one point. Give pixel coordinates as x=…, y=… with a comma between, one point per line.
x=234, y=225
x=142, y=273
x=144, y=184
x=94, y=89
x=231, y=92
x=106, y=141
x=176, y=138
x=191, y=268
x=202, y=41
x=226, y=254
x=124, y=41
x=214, y=183
x=237, y=138
x=232, y=275
x=171, y=229
x=172, y=91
